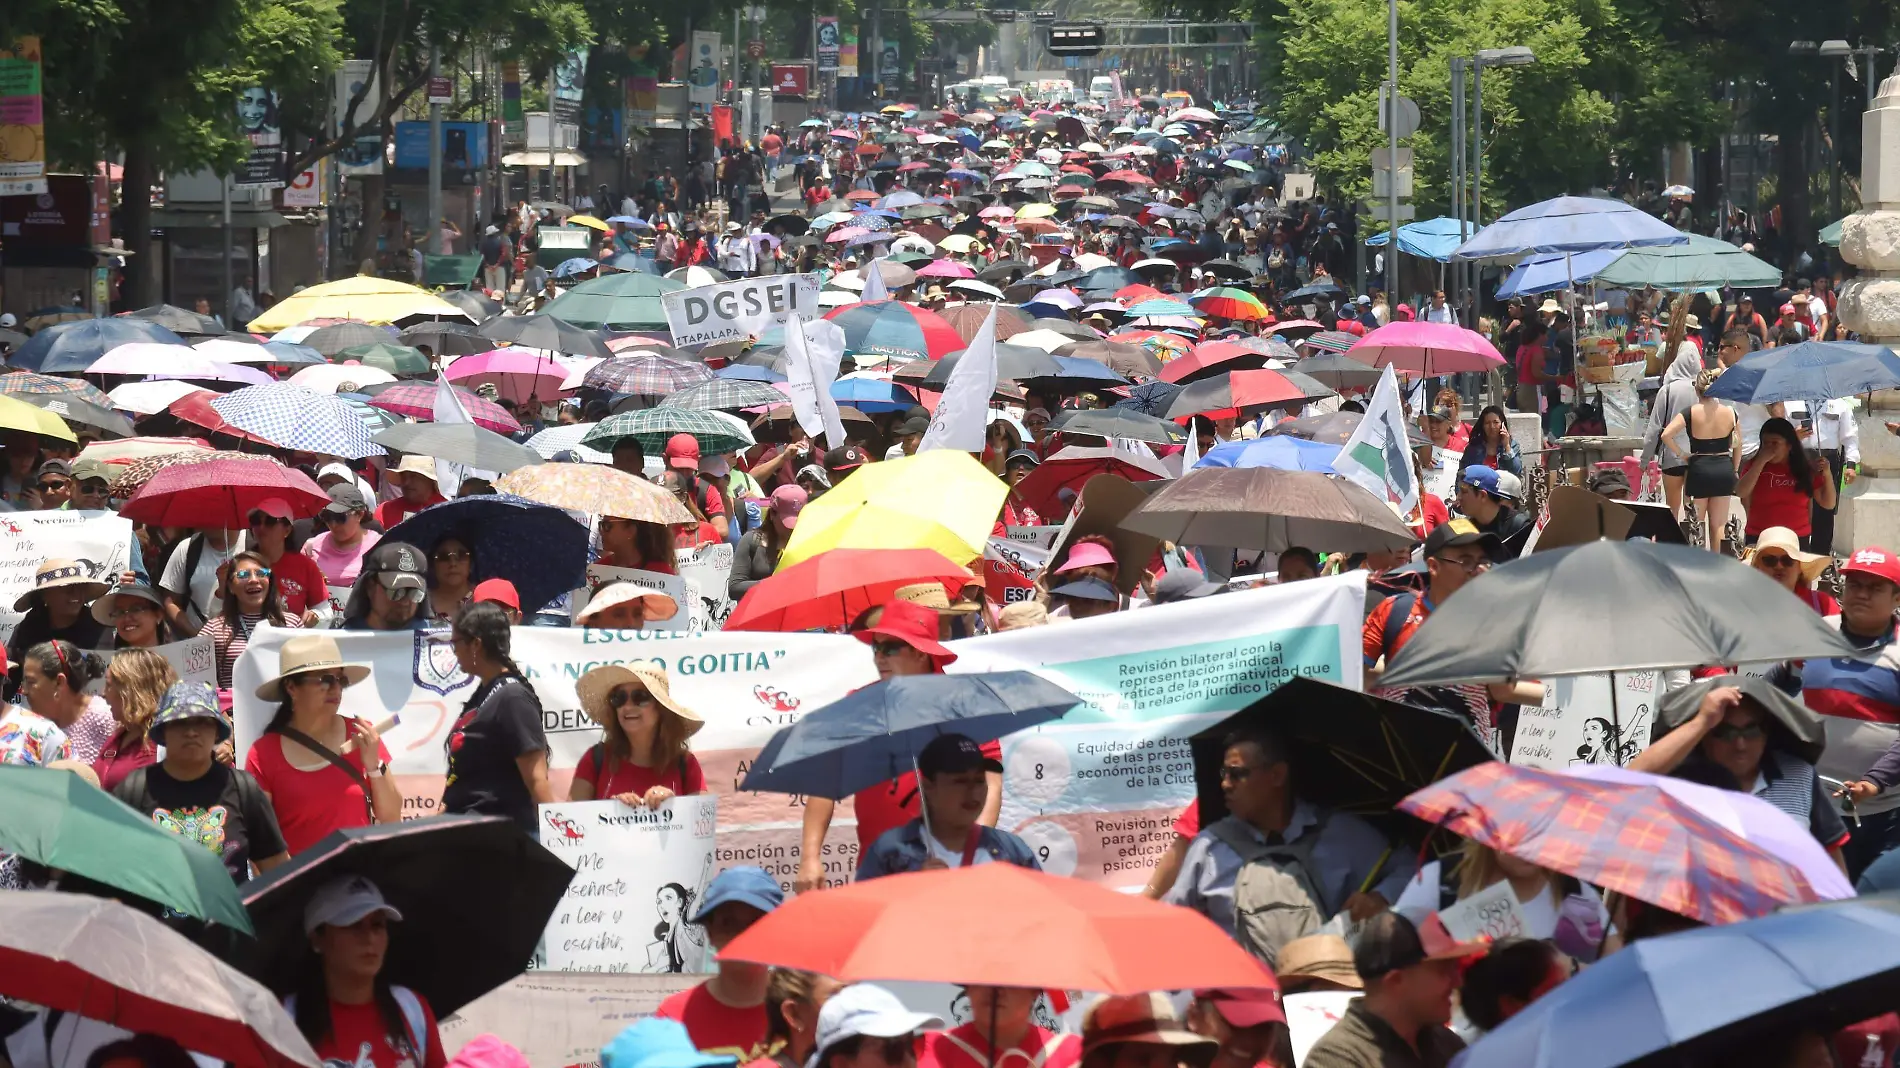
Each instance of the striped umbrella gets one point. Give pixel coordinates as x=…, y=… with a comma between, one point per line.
x=417, y=401
x=646, y=373
x=293, y=417
x=725, y=393
x=1330, y=341
x=652, y=426
x=34, y=384
x=1230, y=303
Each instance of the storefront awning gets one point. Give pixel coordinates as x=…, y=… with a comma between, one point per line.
x=540, y=159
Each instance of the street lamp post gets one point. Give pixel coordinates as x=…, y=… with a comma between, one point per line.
x=1513, y=56
x=1457, y=168
x=1836, y=49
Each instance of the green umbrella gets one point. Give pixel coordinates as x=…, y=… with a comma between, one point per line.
x=1701, y=263
x=58, y=819
x=1831, y=233
x=652, y=426
x=625, y=301
x=386, y=356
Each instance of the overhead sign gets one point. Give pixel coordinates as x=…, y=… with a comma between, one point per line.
x=305, y=190
x=22, y=126
x=828, y=42
x=464, y=145
x=789, y=81
x=740, y=309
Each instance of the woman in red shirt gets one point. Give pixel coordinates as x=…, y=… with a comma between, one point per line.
x=1783, y=483
x=1002, y=1033
x=345, y=1006
x=643, y=756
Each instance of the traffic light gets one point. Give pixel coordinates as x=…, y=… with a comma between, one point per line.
x=1085, y=39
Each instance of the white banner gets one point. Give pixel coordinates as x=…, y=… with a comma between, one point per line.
x=638, y=875
x=740, y=309
x=101, y=542
x=1580, y=724
x=813, y=353
x=962, y=417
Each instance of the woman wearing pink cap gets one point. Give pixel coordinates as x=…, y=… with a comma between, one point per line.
x=760, y=549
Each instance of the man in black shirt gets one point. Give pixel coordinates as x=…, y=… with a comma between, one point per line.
x=1490, y=502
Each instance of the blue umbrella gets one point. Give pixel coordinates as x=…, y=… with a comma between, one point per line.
x=1708, y=995
x=1431, y=239
x=871, y=238
x=1569, y=224
x=1549, y=273
x=958, y=174
x=1281, y=451
x=625, y=220
x=1162, y=306
x=538, y=547
x=1150, y=398
x=872, y=395
x=1324, y=288
x=1809, y=371
x=874, y=734
x=292, y=354
x=575, y=266
x=75, y=346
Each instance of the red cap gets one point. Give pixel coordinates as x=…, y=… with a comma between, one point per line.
x=914, y=625
x=1245, y=1008
x=274, y=506
x=500, y=591
x=1875, y=561
x=682, y=451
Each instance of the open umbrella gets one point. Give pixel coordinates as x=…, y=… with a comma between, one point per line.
x=85, y=406
x=292, y=417
x=538, y=547
x=1117, y=356
x=1117, y=423
x=1810, y=371
x=941, y=499
x=476, y=306
x=365, y=298
x=724, y=393
x=146, y=398
x=387, y=356
x=1012, y=361
x=19, y=415
x=651, y=427
x=1335, y=341
x=595, y=489
x=1210, y=358
x=74, y=346
x=445, y=339
x=625, y=301
x=967, y=319
x=1699, y=263
x=1227, y=393
x=416, y=400
x=96, y=958
x=1284, y=452
x=463, y=443
x=1569, y=224
x=179, y=321
x=449, y=876
x=894, y=328
x=833, y=588
x=544, y=331
x=518, y=374
x=1338, y=371
x=333, y=378
x=1426, y=349
x=1266, y=508
x=646, y=373
x=221, y=494
x=336, y=337
x=135, y=471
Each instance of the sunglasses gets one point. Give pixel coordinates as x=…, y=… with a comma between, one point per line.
x=247, y=573
x=888, y=648
x=54, y=485
x=1729, y=733
x=451, y=556
x=137, y=606
x=627, y=695
x=325, y=680
x=1776, y=560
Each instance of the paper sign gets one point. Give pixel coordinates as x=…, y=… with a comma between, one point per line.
x=739, y=309
x=1578, y=724
x=557, y=1018
x=638, y=874
x=195, y=659
x=1310, y=1016
x=1012, y=568
x=1490, y=915
x=708, y=571
x=1441, y=479
x=673, y=586
x=100, y=542
x=1041, y=537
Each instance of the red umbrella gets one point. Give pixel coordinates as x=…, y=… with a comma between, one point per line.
x=1130, y=177
x=1638, y=840
x=195, y=408
x=999, y=925
x=417, y=401
x=221, y=493
x=1213, y=357
x=832, y=588
x=97, y=958
x=1222, y=395
x=1071, y=469
x=1131, y=295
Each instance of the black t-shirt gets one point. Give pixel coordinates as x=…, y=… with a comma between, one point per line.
x=500, y=722
x=223, y=810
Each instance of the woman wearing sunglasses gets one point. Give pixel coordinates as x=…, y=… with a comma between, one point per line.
x=643, y=756
x=250, y=597
x=451, y=569
x=1777, y=554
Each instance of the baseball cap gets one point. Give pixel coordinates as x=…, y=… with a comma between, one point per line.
x=746, y=884
x=1443, y=414
x=953, y=753
x=1788, y=308
x=498, y=591
x=1245, y=1008
x=657, y=1043
x=1510, y=487
x=1022, y=456
x=716, y=466
x=910, y=623
x=816, y=474
x=273, y=506
x=1873, y=560
x=344, y=499
x=88, y=469
x=1479, y=476
x=787, y=502
x=54, y=467
x=1460, y=531
x=1363, y=299
x=402, y=561
x=1183, y=584
x=333, y=469
x=1389, y=942
x=845, y=457
x=343, y=901
x=865, y=1009
x=682, y=451
x=1607, y=480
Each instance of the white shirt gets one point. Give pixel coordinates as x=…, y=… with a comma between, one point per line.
x=737, y=254
x=1439, y=314
x=203, y=583
x=954, y=858
x=1836, y=428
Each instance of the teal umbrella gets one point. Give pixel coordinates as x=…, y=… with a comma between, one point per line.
x=629, y=301
x=1831, y=233
x=1700, y=263
x=386, y=356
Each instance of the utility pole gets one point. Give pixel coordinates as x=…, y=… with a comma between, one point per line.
x=430, y=242
x=225, y=252
x=1392, y=143
x=758, y=74
x=1458, y=173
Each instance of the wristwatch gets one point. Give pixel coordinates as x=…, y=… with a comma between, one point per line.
x=378, y=771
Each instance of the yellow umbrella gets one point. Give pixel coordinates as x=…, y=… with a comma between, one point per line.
x=1035, y=211
x=364, y=298
x=957, y=243
x=589, y=220
x=942, y=499
x=19, y=415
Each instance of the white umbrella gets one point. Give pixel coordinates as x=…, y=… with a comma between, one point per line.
x=1089, y=261
x=150, y=398
x=332, y=377
x=966, y=285
x=558, y=439
x=837, y=298
x=225, y=350
x=152, y=358
x=1046, y=340
x=696, y=275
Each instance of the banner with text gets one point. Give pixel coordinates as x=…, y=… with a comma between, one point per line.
x=99, y=542
x=740, y=309
x=636, y=870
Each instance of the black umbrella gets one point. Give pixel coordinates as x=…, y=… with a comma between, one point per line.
x=1611, y=606
x=1118, y=423
x=1012, y=361
x=1227, y=269
x=336, y=337
x=1004, y=269
x=1339, y=371
x=787, y=224
x=1109, y=278
x=179, y=321
x=1216, y=393
x=446, y=339
x=474, y=892
x=1803, y=732
x=475, y=304
x=79, y=410
x=1117, y=356
x=543, y=331
x=1150, y=398
x=1348, y=750
x=1322, y=288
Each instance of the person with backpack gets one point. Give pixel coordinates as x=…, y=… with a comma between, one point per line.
x=345, y=1005
x=1278, y=867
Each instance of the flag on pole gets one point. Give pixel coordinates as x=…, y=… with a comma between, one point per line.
x=1191, y=454
x=812, y=354
x=1378, y=456
x=449, y=411
x=962, y=417
x=874, y=282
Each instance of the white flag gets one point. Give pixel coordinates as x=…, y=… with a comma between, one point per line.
x=874, y=282
x=1378, y=455
x=1191, y=455
x=963, y=412
x=449, y=411
x=812, y=354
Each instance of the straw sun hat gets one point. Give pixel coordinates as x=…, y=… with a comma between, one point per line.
x=306, y=653
x=594, y=687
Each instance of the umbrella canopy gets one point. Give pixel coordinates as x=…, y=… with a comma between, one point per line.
x=651, y=427
x=137, y=470
x=538, y=547
x=874, y=734
x=1338, y=371
x=1266, y=508
x=462, y=443
x=626, y=301
x=336, y=337
x=1426, y=349
x=387, y=356
x=595, y=489
x=1150, y=398
x=894, y=328
x=941, y=499
x=697, y=275
x=521, y=375
x=1812, y=371
x=445, y=339
x=1698, y=263
x=1117, y=423
x=448, y=876
x=477, y=306
x=727, y=393
x=1638, y=840
x=1117, y=356
x=340, y=377
x=152, y=358
x=967, y=319
x=74, y=346
x=1012, y=361
x=833, y=588
x=1329, y=341
x=221, y=493
x=292, y=417
x=416, y=400
x=84, y=405
x=90, y=956
x=544, y=331
x=19, y=415
x=1546, y=274
x=55, y=818
x=179, y=321
x=997, y=924
x=364, y=298
x=1569, y=224
x=146, y=398
x=1230, y=391
x=646, y=373
x=1649, y=606
x=1283, y=452
x=1431, y=239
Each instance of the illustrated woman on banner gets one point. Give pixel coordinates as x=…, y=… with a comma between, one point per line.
x=1604, y=744
x=676, y=943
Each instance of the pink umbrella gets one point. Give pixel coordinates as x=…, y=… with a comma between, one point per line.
x=1426, y=349
x=847, y=134
x=845, y=233
x=997, y=212
x=519, y=374
x=417, y=401
x=945, y=269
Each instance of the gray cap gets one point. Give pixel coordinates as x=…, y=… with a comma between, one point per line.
x=1183, y=584
x=344, y=499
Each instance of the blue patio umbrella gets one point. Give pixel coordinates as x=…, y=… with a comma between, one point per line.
x=1809, y=371
x=1569, y=224
x=1281, y=451
x=576, y=266
x=1554, y=271
x=538, y=547
x=75, y=346
x=872, y=395
x=1431, y=239
x=874, y=734
x=1150, y=398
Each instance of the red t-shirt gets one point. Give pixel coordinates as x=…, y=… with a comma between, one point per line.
x=391, y=512
x=300, y=584
x=627, y=777
x=309, y=804
x=1778, y=502
x=895, y=803
x=118, y=759
x=1869, y=1042
x=1040, y=1048
x=716, y=1027
x=360, y=1039
x=1188, y=823
x=1431, y=512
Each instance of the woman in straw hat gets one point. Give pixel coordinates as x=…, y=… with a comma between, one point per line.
x=625, y=606
x=497, y=750
x=1141, y=1031
x=415, y=477
x=1777, y=554
x=323, y=771
x=643, y=756
x=56, y=608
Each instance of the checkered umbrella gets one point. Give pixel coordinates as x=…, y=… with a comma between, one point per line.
x=652, y=426
x=33, y=384
x=373, y=417
x=417, y=401
x=725, y=393
x=293, y=417
x=1330, y=341
x=647, y=373
x=1638, y=840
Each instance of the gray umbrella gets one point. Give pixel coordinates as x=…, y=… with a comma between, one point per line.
x=1012, y=361
x=462, y=443
x=1118, y=423
x=336, y=337
x=1118, y=356
x=1611, y=606
x=1267, y=508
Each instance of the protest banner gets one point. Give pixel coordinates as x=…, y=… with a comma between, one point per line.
x=739, y=309
x=1441, y=478
x=638, y=873
x=707, y=572
x=1378, y=455
x=1578, y=723
x=674, y=586
x=1095, y=793
x=100, y=542
x=1490, y=915
x=1043, y=537
x=560, y=1018
x=1011, y=568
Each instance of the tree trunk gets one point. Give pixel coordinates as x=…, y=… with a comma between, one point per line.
x=1791, y=186
x=135, y=192
x=372, y=222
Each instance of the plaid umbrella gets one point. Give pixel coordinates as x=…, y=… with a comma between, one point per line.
x=1330, y=341
x=652, y=426
x=140, y=471
x=725, y=393
x=595, y=489
x=1637, y=840
x=417, y=401
x=30, y=384
x=647, y=373
x=293, y=417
